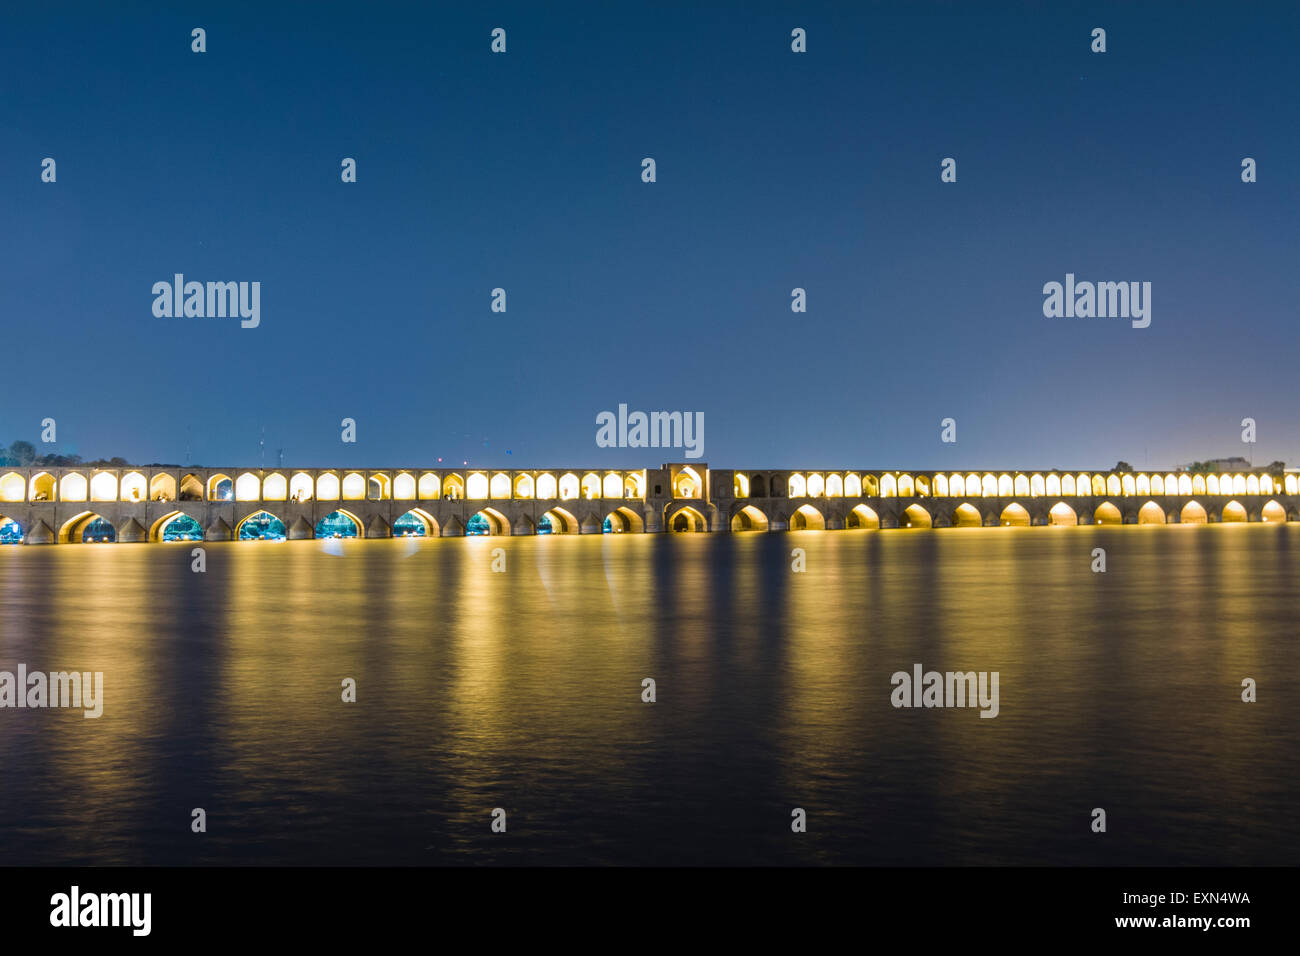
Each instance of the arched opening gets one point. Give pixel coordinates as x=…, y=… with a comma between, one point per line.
x=476, y=486
x=612, y=486
x=260, y=526
x=524, y=486
x=988, y=487
x=404, y=487
x=275, y=488
x=377, y=488
x=248, y=487
x=453, y=488
x=354, y=487
x=758, y=486
x=487, y=522
x=1233, y=511
x=176, y=526
x=870, y=486
x=221, y=488
x=941, y=486
x=906, y=488
x=1107, y=513
x=687, y=484
x=338, y=524
x=807, y=518
x=957, y=486
x=547, y=487
x=1062, y=515
x=191, y=489
x=41, y=487
x=915, y=517
x=1014, y=515
x=1038, y=488
x=1021, y=485
x=557, y=521
x=798, y=486
x=1273, y=512
x=162, y=487
x=888, y=486
x=740, y=486
x=415, y=524
x=569, y=487
x=1151, y=513
x=430, y=486
x=590, y=486
x=1006, y=487
x=1067, y=485
x=103, y=487
x=11, y=532
x=87, y=528
x=622, y=520
x=1193, y=513
x=301, y=487
x=134, y=487
x=499, y=487
x=72, y=487
x=966, y=515
x=776, y=487
x=12, y=487
x=816, y=485
x=686, y=520
x=634, y=485
x=852, y=486
x=860, y=516
x=749, y=518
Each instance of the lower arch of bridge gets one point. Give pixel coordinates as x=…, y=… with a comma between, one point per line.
x=686, y=519
x=914, y=516
x=1233, y=511
x=623, y=520
x=85, y=527
x=260, y=526
x=339, y=524
x=557, y=521
x=488, y=521
x=11, y=532
x=1107, y=513
x=966, y=515
x=176, y=526
x=749, y=518
x=1273, y=512
x=416, y=523
x=807, y=518
x=1062, y=515
x=1014, y=515
x=860, y=516
x=1193, y=513
x=1151, y=513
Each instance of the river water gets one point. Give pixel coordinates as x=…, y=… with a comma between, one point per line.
x=522, y=689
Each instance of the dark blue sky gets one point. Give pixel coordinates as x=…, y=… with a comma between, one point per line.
x=775, y=170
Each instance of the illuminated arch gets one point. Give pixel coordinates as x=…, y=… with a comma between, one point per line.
x=1289, y=483
x=686, y=519
x=688, y=484
x=221, y=488
x=1067, y=486
x=591, y=486
x=499, y=487
x=834, y=486
x=176, y=526
x=275, y=487
x=416, y=523
x=1266, y=486
x=816, y=485
x=72, y=487
x=191, y=489
x=11, y=532
x=1014, y=515
x=1113, y=486
x=378, y=487
x=922, y=486
x=134, y=487
x=1252, y=484
x=941, y=486
x=162, y=487
x=975, y=486
x=103, y=487
x=1233, y=512
x=86, y=527
x=41, y=487
x=558, y=521
x=1006, y=487
x=906, y=487
x=569, y=487
x=612, y=485
x=1038, y=487
x=798, y=486
x=12, y=487
x=261, y=525
x=1062, y=515
x=888, y=486
x=497, y=525
x=623, y=520
x=1238, y=485
x=956, y=486
x=1188, y=485
x=248, y=487
x=634, y=485
x=1144, y=485
x=1107, y=513
x=404, y=487
x=740, y=485
x=914, y=516
x=807, y=518
x=1193, y=513
x=1098, y=486
x=301, y=487
x=860, y=516
x=546, y=486
x=1157, y=485
x=1020, y=485
x=429, y=487
x=1212, y=485
x=1151, y=513
x=524, y=486
x=1273, y=512
x=1083, y=485
x=339, y=524
x=1171, y=484
x=327, y=487
x=870, y=486
x=988, y=486
x=1126, y=483
x=453, y=487
x=354, y=487
x=966, y=515
x=476, y=486
x=749, y=518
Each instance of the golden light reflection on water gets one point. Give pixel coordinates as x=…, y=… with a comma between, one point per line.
x=522, y=689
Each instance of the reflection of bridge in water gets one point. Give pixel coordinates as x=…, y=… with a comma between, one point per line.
x=43, y=506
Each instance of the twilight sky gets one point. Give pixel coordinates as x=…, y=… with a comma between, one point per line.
x=775, y=170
